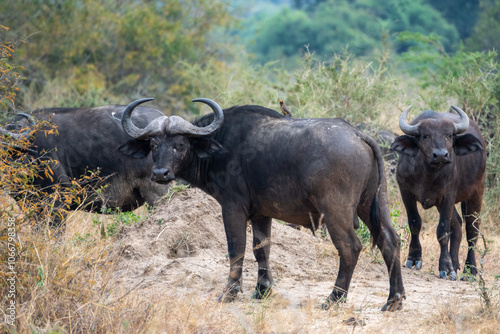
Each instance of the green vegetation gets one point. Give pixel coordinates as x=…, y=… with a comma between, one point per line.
x=89, y=53
x=9, y=73
x=119, y=219
x=327, y=27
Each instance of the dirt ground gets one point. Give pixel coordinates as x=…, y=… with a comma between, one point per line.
x=179, y=252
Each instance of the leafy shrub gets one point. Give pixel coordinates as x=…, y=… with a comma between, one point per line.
x=10, y=77
x=343, y=87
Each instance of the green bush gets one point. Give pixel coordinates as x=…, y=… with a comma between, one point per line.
x=352, y=89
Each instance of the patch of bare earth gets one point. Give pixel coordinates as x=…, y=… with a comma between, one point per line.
x=176, y=259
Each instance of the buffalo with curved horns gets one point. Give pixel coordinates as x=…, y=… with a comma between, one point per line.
x=442, y=162
x=86, y=139
x=328, y=173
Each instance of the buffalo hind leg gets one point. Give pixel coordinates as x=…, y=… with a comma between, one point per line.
x=389, y=244
x=414, y=259
x=261, y=228
x=235, y=228
x=341, y=230
x=470, y=211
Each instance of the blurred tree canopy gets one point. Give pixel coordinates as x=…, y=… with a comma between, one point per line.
x=486, y=33
x=463, y=14
x=329, y=26
x=122, y=47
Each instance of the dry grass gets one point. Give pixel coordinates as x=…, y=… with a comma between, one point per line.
x=65, y=286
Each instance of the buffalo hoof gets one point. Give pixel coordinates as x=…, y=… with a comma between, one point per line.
x=467, y=277
x=227, y=297
x=444, y=274
x=262, y=292
x=417, y=264
x=329, y=303
x=334, y=298
x=229, y=294
x=394, y=304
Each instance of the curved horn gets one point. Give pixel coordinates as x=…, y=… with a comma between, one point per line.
x=133, y=131
x=178, y=125
x=411, y=130
x=463, y=125
x=30, y=119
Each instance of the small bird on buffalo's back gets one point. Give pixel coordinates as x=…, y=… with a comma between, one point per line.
x=284, y=109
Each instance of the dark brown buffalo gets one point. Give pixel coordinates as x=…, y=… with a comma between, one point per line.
x=328, y=173
x=442, y=162
x=83, y=140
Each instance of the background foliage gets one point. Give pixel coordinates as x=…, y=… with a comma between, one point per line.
x=92, y=52
x=327, y=27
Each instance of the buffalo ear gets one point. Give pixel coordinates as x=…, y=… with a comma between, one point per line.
x=137, y=149
x=206, y=147
x=405, y=145
x=466, y=144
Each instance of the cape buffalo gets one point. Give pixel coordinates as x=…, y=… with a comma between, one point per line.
x=328, y=173
x=84, y=140
x=442, y=162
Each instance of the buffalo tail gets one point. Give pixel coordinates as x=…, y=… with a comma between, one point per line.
x=375, y=229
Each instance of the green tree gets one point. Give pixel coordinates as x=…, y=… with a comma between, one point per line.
x=108, y=48
x=462, y=14
x=486, y=33
x=329, y=26
x=410, y=15
x=307, y=5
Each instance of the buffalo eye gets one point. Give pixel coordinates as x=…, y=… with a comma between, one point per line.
x=425, y=137
x=153, y=146
x=179, y=147
x=450, y=136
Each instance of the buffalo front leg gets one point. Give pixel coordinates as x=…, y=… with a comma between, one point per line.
x=235, y=227
x=443, y=232
x=261, y=228
x=414, y=259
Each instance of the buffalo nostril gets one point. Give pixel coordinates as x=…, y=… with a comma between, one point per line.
x=440, y=154
x=161, y=174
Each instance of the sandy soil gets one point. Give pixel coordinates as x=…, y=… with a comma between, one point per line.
x=180, y=250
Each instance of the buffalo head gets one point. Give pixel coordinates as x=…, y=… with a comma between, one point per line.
x=436, y=137
x=173, y=141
